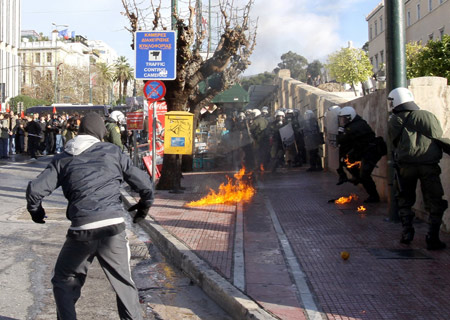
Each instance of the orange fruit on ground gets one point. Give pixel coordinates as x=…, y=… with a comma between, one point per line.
x=345, y=255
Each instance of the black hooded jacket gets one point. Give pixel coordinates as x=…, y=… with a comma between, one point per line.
x=90, y=173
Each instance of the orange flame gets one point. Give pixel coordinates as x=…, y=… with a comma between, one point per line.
x=231, y=192
x=361, y=209
x=261, y=167
x=343, y=200
x=352, y=164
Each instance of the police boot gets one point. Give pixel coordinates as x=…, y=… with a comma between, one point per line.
x=432, y=238
x=408, y=230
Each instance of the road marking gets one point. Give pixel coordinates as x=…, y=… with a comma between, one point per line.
x=299, y=276
x=239, y=263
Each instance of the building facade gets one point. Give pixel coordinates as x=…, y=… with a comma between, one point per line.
x=424, y=20
x=48, y=58
x=9, y=46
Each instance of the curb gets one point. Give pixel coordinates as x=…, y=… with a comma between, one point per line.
x=228, y=297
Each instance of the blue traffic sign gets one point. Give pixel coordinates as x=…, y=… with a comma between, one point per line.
x=155, y=55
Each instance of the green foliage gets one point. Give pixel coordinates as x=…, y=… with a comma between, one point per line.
x=434, y=59
x=413, y=50
x=262, y=78
x=314, y=68
x=27, y=102
x=349, y=65
x=365, y=47
x=295, y=63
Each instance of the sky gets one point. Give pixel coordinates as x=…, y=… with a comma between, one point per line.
x=313, y=29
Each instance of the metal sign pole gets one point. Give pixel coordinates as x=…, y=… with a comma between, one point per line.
x=136, y=153
x=154, y=146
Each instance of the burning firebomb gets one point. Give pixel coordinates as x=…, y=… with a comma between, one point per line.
x=237, y=190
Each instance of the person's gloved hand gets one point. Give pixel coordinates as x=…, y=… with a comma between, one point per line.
x=38, y=215
x=142, y=211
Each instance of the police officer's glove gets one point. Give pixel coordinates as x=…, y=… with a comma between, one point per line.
x=142, y=211
x=38, y=215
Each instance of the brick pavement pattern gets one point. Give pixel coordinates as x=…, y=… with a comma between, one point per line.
x=365, y=286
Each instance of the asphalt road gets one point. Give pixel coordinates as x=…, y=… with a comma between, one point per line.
x=29, y=251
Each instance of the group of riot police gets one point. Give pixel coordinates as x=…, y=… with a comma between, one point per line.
x=288, y=139
x=283, y=139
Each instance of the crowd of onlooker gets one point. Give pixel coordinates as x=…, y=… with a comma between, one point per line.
x=36, y=134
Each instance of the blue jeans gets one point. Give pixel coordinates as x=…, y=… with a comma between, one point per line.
x=59, y=143
x=12, y=144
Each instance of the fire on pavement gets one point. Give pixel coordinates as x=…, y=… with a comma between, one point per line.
x=344, y=200
x=232, y=192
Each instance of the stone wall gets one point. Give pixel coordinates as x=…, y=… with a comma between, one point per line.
x=431, y=93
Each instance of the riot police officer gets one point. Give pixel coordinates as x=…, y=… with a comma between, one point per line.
x=413, y=133
x=358, y=143
x=276, y=144
x=313, y=140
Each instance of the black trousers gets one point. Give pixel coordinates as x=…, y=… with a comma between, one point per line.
x=71, y=268
x=33, y=145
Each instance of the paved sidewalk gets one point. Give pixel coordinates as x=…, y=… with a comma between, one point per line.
x=291, y=238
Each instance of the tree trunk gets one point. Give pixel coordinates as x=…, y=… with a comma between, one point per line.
x=125, y=88
x=187, y=163
x=120, y=92
x=171, y=174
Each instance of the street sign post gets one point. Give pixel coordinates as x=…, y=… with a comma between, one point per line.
x=155, y=55
x=154, y=90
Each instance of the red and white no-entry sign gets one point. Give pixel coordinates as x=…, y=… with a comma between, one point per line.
x=154, y=90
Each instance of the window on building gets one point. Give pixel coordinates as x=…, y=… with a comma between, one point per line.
x=376, y=61
x=381, y=24
x=49, y=76
x=37, y=58
x=408, y=18
x=418, y=11
x=430, y=5
x=24, y=57
x=441, y=32
x=370, y=33
x=376, y=28
x=49, y=57
x=382, y=56
x=430, y=37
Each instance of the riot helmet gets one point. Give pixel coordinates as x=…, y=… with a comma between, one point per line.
x=346, y=115
x=309, y=114
x=289, y=114
x=279, y=116
x=117, y=116
x=256, y=112
x=399, y=96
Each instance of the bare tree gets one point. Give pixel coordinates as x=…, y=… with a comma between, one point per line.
x=229, y=59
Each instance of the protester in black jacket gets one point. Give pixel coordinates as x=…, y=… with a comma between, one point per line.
x=90, y=173
x=34, y=130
